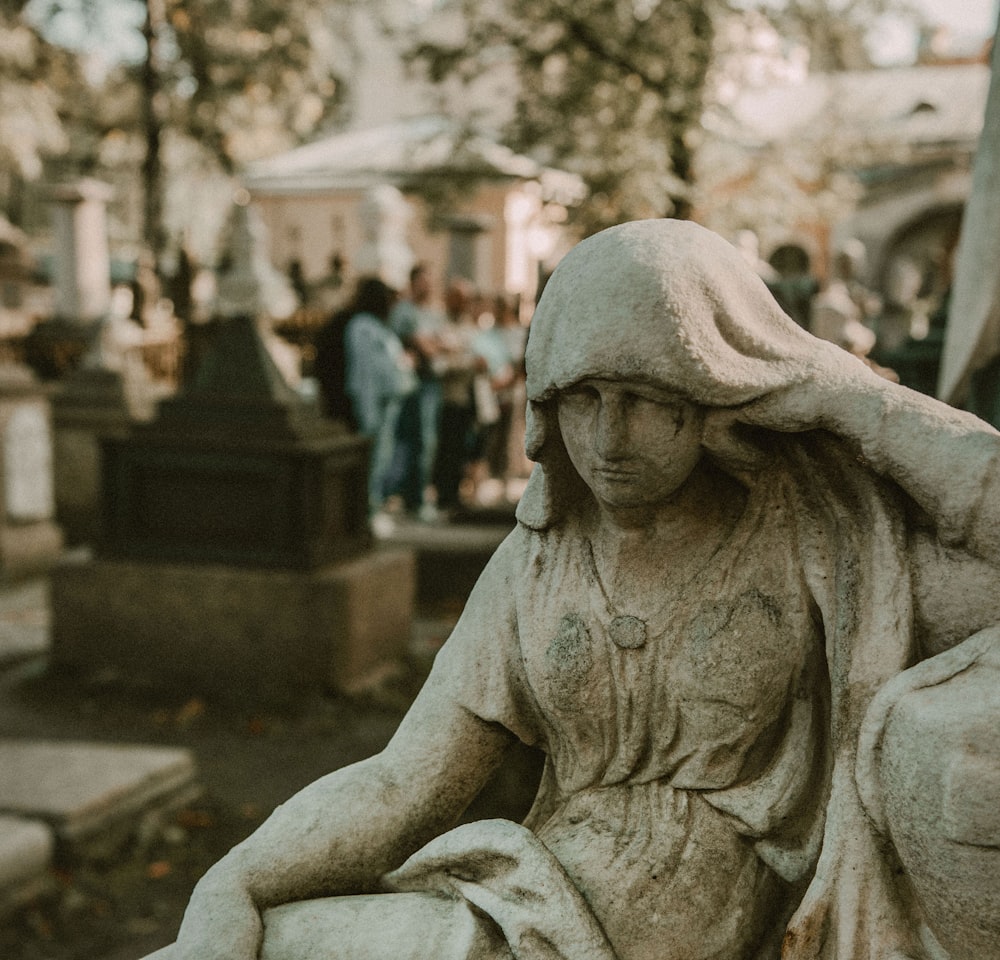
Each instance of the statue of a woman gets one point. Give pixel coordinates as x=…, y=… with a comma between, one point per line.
x=734, y=536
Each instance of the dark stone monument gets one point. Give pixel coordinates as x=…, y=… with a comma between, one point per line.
x=236, y=469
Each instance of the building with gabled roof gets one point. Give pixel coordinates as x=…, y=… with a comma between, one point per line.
x=503, y=215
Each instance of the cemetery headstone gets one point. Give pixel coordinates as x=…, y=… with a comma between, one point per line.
x=235, y=546
x=30, y=540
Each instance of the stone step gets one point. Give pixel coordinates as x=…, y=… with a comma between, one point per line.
x=94, y=797
x=26, y=848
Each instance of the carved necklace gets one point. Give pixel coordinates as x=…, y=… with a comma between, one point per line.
x=629, y=632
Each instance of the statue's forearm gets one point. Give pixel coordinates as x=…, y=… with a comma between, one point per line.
x=338, y=835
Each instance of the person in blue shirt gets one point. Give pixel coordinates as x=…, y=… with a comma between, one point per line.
x=379, y=375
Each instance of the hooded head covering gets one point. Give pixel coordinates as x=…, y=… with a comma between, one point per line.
x=664, y=302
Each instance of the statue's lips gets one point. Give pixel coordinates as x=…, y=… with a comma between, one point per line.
x=616, y=473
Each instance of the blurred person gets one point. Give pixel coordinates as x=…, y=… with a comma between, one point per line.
x=795, y=287
x=378, y=376
x=330, y=368
x=146, y=287
x=845, y=310
x=748, y=244
x=841, y=309
x=457, y=365
x=418, y=324
x=509, y=456
x=297, y=278
x=501, y=344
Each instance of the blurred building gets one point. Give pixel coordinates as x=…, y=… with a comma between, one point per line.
x=498, y=225
x=883, y=156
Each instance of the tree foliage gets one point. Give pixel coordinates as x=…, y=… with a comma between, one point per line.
x=207, y=84
x=246, y=78
x=616, y=90
x=32, y=75
x=835, y=31
x=607, y=89
x=235, y=76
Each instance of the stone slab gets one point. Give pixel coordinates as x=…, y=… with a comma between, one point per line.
x=25, y=857
x=24, y=620
x=84, y=789
x=213, y=627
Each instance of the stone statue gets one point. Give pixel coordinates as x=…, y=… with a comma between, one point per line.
x=749, y=615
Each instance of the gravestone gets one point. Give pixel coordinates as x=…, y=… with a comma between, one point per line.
x=93, y=796
x=30, y=540
x=235, y=546
x=102, y=384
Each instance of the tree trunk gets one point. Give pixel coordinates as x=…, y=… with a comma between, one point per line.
x=153, y=234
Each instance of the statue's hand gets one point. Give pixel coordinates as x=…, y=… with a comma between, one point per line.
x=221, y=921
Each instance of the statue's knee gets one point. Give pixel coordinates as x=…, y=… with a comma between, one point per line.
x=389, y=926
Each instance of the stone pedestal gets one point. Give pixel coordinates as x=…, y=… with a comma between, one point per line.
x=226, y=629
x=30, y=541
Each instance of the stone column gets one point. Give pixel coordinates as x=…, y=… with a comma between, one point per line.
x=385, y=253
x=82, y=261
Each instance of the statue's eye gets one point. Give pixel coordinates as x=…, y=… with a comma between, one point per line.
x=582, y=393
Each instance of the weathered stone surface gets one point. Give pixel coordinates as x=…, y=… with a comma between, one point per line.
x=217, y=627
x=84, y=789
x=714, y=618
x=25, y=857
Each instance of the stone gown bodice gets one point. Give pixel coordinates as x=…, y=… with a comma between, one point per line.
x=702, y=749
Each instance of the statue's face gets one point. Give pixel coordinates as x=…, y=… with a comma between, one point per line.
x=632, y=444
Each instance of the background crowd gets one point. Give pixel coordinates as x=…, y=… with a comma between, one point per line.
x=436, y=385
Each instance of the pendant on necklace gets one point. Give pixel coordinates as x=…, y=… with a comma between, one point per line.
x=629, y=633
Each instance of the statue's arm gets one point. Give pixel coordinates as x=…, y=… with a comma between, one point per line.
x=342, y=832
x=947, y=460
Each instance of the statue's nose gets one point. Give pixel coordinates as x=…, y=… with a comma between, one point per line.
x=611, y=436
